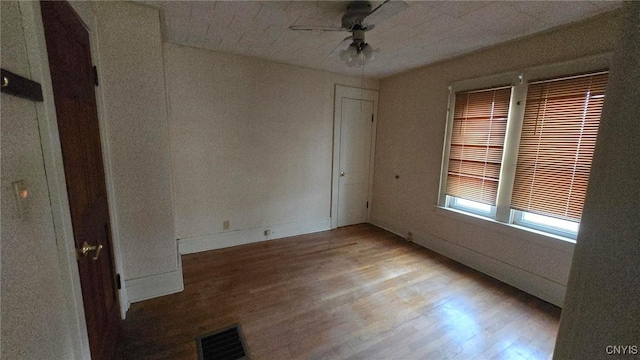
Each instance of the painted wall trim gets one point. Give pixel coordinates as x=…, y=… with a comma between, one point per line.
x=526, y=281
x=153, y=286
x=247, y=236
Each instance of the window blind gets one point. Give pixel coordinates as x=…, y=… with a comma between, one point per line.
x=558, y=137
x=477, y=140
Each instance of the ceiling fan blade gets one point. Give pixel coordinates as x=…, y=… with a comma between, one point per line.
x=316, y=28
x=340, y=43
x=385, y=11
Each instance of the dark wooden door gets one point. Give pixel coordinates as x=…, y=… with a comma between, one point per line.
x=73, y=88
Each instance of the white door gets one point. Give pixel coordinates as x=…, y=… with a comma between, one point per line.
x=355, y=156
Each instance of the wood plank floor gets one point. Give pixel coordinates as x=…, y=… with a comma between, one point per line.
x=354, y=293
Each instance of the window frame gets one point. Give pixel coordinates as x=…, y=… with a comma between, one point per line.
x=519, y=219
x=452, y=202
x=464, y=162
x=466, y=85
x=502, y=212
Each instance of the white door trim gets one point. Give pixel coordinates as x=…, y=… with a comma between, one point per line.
x=342, y=91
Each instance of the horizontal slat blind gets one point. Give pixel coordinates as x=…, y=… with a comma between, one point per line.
x=477, y=139
x=558, y=137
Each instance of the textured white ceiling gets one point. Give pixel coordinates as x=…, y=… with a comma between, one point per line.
x=426, y=32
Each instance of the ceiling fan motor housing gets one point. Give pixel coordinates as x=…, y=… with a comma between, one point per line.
x=356, y=12
x=358, y=36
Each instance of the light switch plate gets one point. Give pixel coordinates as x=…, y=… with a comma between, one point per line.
x=22, y=196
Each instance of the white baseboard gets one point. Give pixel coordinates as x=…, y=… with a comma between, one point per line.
x=247, y=236
x=526, y=281
x=124, y=301
x=155, y=285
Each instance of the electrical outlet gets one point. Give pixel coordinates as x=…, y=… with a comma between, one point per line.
x=409, y=236
x=267, y=232
x=226, y=225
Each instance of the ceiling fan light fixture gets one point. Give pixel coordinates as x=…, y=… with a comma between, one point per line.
x=368, y=53
x=357, y=54
x=349, y=53
x=357, y=61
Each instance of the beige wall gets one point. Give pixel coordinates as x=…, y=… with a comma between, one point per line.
x=412, y=118
x=603, y=297
x=32, y=295
x=251, y=141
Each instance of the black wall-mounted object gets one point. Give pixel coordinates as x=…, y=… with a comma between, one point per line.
x=20, y=86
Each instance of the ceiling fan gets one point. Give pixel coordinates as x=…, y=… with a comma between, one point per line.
x=358, y=19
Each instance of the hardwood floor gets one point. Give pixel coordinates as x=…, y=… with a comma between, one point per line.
x=354, y=293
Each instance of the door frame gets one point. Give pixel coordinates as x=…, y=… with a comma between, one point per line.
x=53, y=162
x=342, y=91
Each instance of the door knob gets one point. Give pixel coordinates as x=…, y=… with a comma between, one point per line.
x=86, y=248
x=342, y=173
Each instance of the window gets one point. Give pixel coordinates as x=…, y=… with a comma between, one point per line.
x=546, y=223
x=522, y=154
x=559, y=130
x=470, y=206
x=477, y=139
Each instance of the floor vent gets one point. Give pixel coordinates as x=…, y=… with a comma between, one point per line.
x=226, y=344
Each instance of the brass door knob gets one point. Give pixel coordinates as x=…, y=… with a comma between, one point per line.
x=85, y=249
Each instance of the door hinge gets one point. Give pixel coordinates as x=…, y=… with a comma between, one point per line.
x=367, y=204
x=95, y=76
x=119, y=283
x=371, y=117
